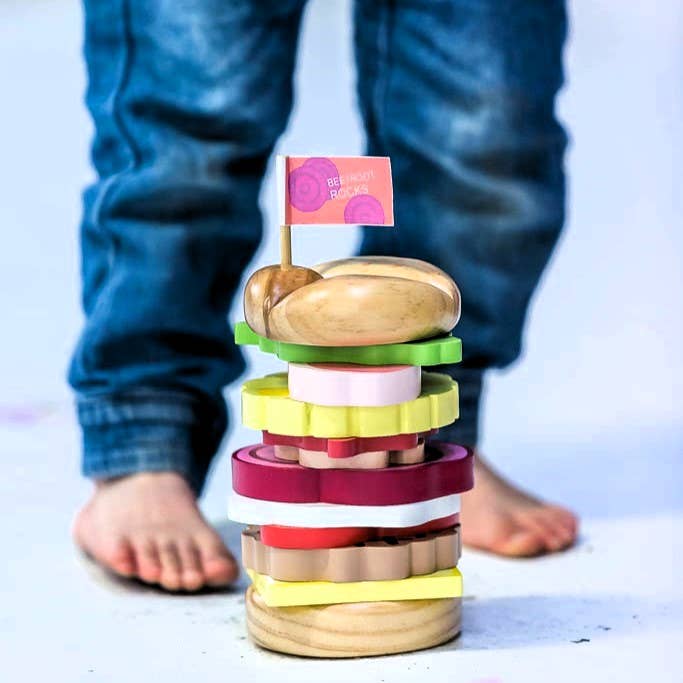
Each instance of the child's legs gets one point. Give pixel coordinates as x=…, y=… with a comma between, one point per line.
x=188, y=99
x=461, y=96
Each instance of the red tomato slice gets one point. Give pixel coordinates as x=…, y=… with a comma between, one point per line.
x=309, y=538
x=300, y=537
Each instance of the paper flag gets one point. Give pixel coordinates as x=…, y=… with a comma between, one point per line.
x=335, y=190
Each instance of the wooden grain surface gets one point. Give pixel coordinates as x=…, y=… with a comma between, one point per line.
x=352, y=630
x=358, y=302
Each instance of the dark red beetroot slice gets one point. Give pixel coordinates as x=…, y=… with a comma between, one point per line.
x=257, y=473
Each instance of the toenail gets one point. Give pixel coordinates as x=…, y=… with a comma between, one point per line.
x=150, y=574
x=192, y=580
x=170, y=584
x=119, y=558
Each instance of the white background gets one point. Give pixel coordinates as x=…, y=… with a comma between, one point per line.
x=591, y=416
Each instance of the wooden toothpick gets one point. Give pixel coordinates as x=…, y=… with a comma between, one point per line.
x=285, y=245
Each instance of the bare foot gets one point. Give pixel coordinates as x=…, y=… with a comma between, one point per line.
x=148, y=526
x=500, y=518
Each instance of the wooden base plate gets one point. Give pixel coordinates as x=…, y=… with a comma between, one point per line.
x=352, y=630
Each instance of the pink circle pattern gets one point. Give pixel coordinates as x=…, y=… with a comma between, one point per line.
x=364, y=209
x=323, y=165
x=308, y=188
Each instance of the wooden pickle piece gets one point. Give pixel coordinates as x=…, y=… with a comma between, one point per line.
x=382, y=559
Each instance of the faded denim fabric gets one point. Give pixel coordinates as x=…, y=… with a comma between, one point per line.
x=188, y=99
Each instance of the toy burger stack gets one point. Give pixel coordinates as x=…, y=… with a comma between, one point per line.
x=352, y=505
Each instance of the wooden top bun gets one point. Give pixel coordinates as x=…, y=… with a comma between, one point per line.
x=359, y=301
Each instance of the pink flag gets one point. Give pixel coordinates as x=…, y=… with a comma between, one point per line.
x=335, y=190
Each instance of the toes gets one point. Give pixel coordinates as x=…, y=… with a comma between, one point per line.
x=170, y=577
x=537, y=522
x=192, y=577
x=118, y=557
x=565, y=519
x=520, y=544
x=504, y=537
x=114, y=552
x=559, y=532
x=536, y=533
x=147, y=560
x=219, y=566
x=565, y=533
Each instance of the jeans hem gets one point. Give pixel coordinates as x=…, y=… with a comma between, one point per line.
x=150, y=430
x=119, y=463
x=465, y=430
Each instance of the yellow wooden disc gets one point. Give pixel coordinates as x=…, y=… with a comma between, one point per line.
x=352, y=630
x=266, y=405
x=445, y=583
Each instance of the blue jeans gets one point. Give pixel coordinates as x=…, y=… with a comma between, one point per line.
x=188, y=99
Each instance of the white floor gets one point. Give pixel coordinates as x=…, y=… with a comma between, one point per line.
x=591, y=417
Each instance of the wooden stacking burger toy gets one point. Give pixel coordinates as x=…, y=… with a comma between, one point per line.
x=352, y=505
